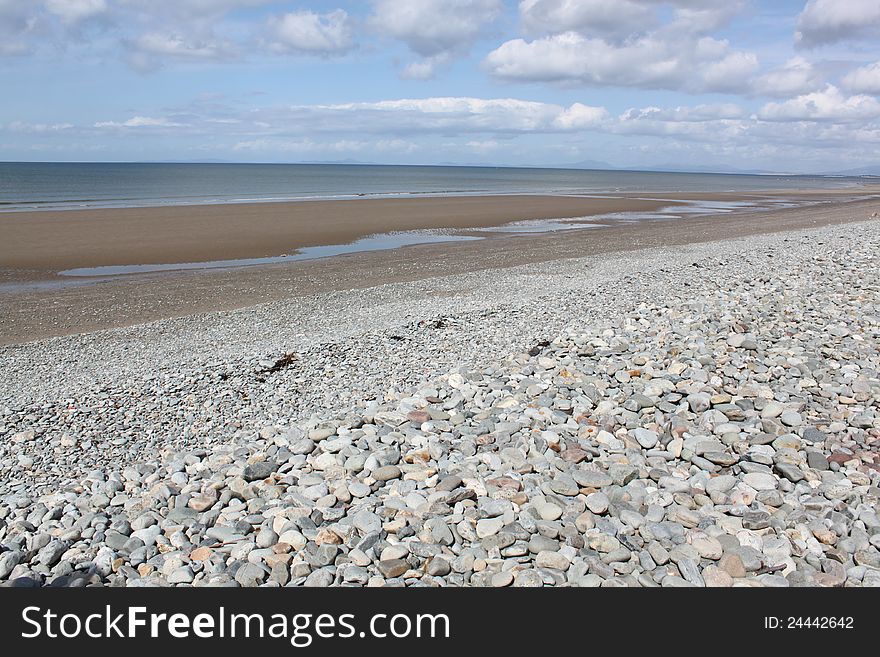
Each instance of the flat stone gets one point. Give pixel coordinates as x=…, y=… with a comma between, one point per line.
x=392, y=567
x=761, y=481
x=201, y=554
x=250, y=575
x=386, y=473
x=645, y=437
x=547, y=510
x=720, y=484
x=721, y=458
x=489, y=527
x=591, y=478
x=555, y=560
x=817, y=461
x=732, y=564
x=259, y=470
x=755, y=520
x=790, y=472
x=572, y=454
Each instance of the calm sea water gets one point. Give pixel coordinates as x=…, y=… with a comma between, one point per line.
x=26, y=186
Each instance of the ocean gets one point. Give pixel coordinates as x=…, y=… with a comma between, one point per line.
x=54, y=186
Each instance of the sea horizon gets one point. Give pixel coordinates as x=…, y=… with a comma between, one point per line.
x=84, y=185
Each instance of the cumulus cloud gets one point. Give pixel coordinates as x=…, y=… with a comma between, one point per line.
x=824, y=22
x=712, y=122
x=465, y=114
x=703, y=16
x=864, y=80
x=629, y=43
x=435, y=30
x=184, y=30
x=606, y=18
x=310, y=32
x=830, y=104
x=797, y=76
x=695, y=114
x=704, y=64
x=579, y=116
x=619, y=19
x=180, y=46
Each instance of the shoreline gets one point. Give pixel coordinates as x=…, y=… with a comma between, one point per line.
x=189, y=234
x=39, y=245
x=125, y=301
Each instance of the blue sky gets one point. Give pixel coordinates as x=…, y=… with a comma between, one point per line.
x=784, y=85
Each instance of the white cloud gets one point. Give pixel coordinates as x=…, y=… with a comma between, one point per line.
x=16, y=22
x=408, y=118
x=697, y=114
x=713, y=123
x=25, y=127
x=826, y=105
x=430, y=27
x=74, y=11
x=139, y=122
x=579, y=116
x=651, y=61
x=433, y=29
x=309, y=32
x=653, y=44
x=864, y=80
x=185, y=30
x=797, y=76
x=308, y=146
x=149, y=50
x=824, y=22
x=425, y=69
x=464, y=114
x=199, y=12
x=619, y=19
x=703, y=16
x=606, y=18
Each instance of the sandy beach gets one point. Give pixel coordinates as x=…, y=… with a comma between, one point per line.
x=183, y=234
x=40, y=308
x=38, y=245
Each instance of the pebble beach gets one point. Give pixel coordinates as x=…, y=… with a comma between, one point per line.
x=698, y=415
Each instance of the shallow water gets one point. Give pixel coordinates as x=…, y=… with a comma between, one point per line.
x=372, y=243
x=398, y=239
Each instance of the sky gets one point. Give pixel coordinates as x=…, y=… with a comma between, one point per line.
x=781, y=85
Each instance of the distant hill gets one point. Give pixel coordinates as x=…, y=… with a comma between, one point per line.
x=703, y=168
x=592, y=164
x=345, y=161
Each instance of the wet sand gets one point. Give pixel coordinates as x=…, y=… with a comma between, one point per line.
x=36, y=245
x=127, y=300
